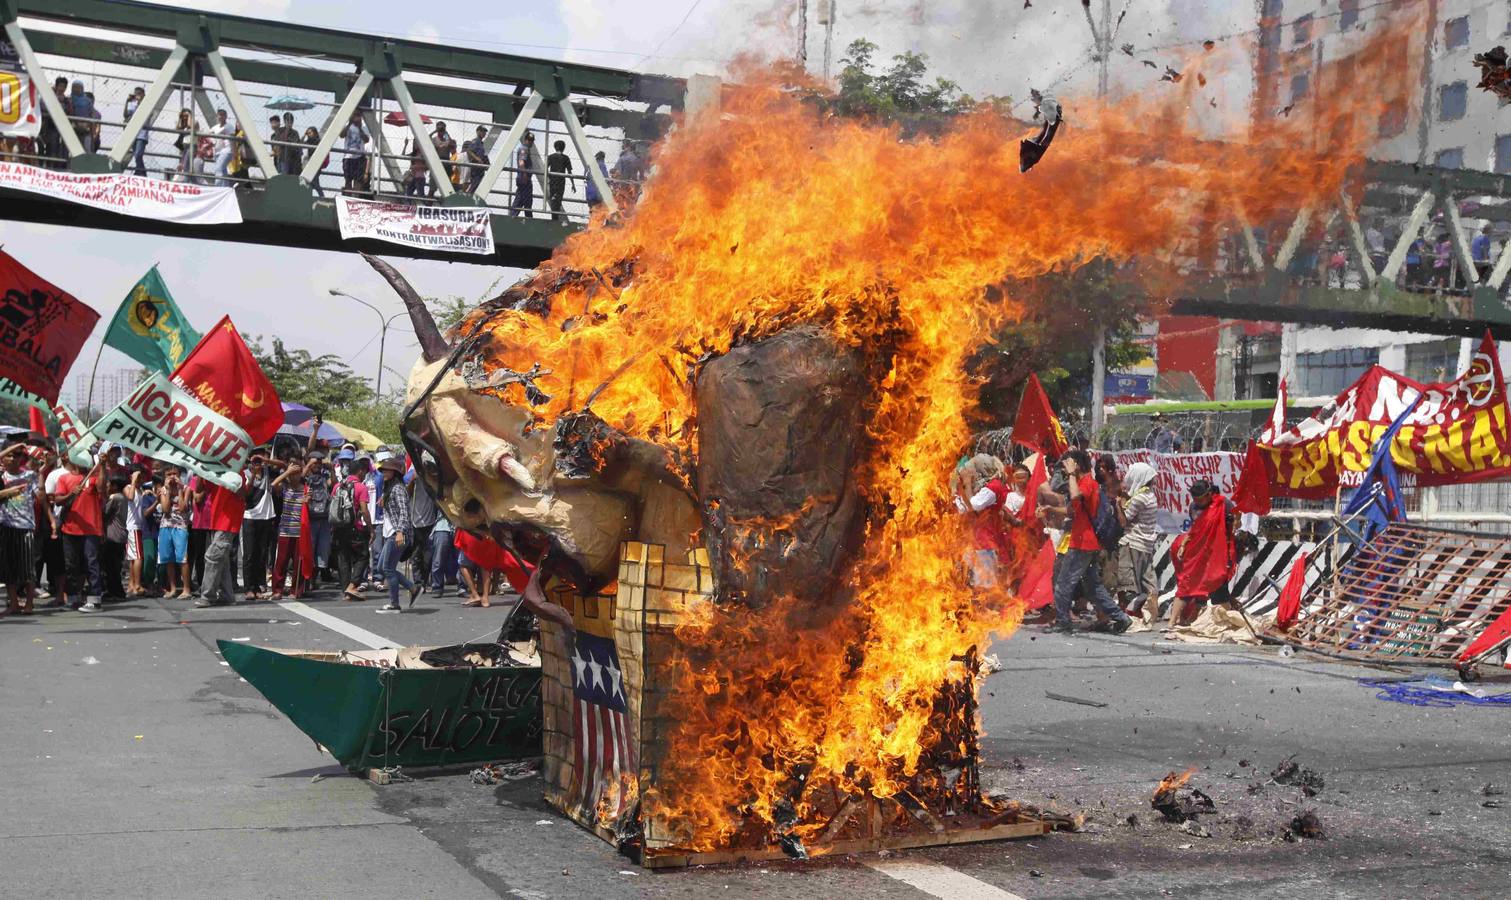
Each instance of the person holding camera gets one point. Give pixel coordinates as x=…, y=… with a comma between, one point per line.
x=1078, y=565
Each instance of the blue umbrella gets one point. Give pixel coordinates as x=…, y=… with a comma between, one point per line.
x=327, y=433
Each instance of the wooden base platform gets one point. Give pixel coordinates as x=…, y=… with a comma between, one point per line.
x=674, y=859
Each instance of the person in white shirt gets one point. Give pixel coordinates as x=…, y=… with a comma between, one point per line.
x=225, y=147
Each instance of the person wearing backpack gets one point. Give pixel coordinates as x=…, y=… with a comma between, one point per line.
x=1079, y=563
x=349, y=525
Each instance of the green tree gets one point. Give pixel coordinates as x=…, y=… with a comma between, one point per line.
x=380, y=417
x=901, y=94
x=322, y=382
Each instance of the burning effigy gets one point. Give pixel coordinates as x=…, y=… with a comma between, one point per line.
x=722, y=422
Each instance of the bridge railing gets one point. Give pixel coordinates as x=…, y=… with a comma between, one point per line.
x=395, y=89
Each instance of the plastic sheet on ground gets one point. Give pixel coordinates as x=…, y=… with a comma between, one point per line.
x=1220, y=625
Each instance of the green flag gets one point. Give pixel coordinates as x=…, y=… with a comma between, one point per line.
x=149, y=327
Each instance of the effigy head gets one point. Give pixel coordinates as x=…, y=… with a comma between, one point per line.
x=568, y=493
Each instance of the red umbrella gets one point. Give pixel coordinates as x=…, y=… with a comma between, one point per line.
x=397, y=118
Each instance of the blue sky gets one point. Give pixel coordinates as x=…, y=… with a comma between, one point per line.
x=989, y=46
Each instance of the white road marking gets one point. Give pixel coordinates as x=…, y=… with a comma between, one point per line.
x=937, y=880
x=340, y=626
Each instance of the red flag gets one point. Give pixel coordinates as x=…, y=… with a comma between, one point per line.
x=42, y=329
x=1252, y=493
x=224, y=375
x=1288, y=610
x=1204, y=559
x=35, y=422
x=1499, y=630
x=306, y=541
x=1038, y=476
x=490, y=557
x=1037, y=587
x=1037, y=427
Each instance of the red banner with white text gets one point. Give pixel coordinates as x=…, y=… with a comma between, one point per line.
x=1457, y=434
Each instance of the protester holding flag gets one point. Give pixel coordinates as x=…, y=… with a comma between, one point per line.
x=291, y=523
x=18, y=523
x=46, y=545
x=173, y=534
x=80, y=497
x=227, y=507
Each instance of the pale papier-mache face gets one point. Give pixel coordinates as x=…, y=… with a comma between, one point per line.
x=507, y=485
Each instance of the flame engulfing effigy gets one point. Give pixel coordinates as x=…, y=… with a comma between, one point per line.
x=765, y=358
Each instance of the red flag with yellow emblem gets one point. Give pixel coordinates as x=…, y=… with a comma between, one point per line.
x=224, y=375
x=1037, y=427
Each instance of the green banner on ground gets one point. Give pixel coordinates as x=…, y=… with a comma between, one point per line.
x=149, y=327
x=166, y=422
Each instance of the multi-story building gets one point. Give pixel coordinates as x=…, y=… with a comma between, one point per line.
x=1450, y=124
x=110, y=389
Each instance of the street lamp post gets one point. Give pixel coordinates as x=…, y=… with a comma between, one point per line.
x=382, y=335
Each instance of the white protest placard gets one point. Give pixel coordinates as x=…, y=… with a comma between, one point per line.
x=166, y=422
x=1174, y=475
x=455, y=229
x=130, y=195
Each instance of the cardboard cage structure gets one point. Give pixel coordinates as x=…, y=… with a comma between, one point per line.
x=608, y=711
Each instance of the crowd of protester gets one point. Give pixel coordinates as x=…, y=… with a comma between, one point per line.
x=1101, y=526
x=217, y=154
x=302, y=520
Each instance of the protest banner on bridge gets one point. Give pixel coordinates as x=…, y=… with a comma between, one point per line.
x=1175, y=473
x=20, y=115
x=166, y=422
x=445, y=228
x=130, y=195
x=1457, y=434
x=42, y=328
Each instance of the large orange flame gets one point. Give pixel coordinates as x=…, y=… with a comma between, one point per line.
x=770, y=215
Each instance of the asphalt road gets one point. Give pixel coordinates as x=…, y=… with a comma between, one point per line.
x=137, y=764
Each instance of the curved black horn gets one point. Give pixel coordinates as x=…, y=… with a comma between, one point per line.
x=432, y=345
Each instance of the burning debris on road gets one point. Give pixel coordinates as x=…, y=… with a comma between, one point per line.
x=1175, y=803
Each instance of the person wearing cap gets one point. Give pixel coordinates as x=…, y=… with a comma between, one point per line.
x=397, y=532
x=319, y=479
x=18, y=523
x=1162, y=438
x=349, y=539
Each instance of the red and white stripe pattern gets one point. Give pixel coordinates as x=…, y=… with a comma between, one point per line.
x=601, y=749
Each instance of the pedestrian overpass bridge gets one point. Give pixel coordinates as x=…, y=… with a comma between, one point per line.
x=200, y=62
x=197, y=63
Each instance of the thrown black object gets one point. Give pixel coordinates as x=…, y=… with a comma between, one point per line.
x=1031, y=150
x=1495, y=72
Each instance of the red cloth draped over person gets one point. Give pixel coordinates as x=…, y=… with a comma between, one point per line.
x=1205, y=556
x=491, y=557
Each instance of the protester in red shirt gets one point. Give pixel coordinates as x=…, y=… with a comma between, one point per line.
x=82, y=525
x=1079, y=563
x=227, y=507
x=1205, y=557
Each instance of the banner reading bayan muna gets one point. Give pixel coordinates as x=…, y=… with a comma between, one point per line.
x=166, y=422
x=149, y=327
x=1457, y=434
